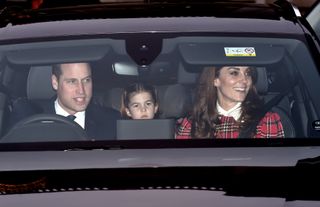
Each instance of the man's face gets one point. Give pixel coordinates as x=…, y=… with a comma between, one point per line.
x=74, y=87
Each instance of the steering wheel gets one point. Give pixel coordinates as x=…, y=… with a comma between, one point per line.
x=44, y=128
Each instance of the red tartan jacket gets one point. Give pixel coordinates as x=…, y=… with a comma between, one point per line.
x=270, y=126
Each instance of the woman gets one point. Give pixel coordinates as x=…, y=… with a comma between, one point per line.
x=226, y=103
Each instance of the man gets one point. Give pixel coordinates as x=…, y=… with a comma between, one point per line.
x=73, y=85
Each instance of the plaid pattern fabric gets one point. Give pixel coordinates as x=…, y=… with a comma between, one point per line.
x=269, y=127
x=227, y=129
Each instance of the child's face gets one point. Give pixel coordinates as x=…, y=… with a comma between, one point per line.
x=142, y=106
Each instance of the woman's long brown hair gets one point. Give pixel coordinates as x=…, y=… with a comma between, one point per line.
x=204, y=115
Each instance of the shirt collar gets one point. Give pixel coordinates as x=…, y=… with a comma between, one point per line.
x=234, y=112
x=80, y=116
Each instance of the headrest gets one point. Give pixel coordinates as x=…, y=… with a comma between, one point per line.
x=175, y=101
x=262, y=81
x=39, y=83
x=113, y=98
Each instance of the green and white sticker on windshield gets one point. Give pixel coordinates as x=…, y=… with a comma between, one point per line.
x=240, y=51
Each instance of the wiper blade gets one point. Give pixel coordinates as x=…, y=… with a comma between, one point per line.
x=309, y=162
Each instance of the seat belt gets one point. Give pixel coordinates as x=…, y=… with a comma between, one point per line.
x=248, y=131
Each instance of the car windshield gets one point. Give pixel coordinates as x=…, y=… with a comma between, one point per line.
x=147, y=79
x=144, y=102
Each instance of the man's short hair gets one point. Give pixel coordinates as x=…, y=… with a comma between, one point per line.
x=56, y=70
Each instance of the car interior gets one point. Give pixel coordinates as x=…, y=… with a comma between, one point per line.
x=173, y=68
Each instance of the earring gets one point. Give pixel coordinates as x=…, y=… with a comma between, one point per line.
x=128, y=112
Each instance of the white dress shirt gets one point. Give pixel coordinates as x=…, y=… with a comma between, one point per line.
x=234, y=112
x=80, y=116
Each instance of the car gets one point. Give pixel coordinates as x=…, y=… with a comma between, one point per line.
x=47, y=159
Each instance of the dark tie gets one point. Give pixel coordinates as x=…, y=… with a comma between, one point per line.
x=71, y=117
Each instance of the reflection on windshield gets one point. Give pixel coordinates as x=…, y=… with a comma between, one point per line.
x=224, y=90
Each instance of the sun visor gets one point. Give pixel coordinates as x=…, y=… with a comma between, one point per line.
x=221, y=54
x=51, y=55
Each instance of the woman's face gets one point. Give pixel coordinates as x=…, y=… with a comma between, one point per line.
x=233, y=84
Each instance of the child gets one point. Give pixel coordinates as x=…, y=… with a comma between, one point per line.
x=139, y=101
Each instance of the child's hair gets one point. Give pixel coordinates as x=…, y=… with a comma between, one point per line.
x=134, y=89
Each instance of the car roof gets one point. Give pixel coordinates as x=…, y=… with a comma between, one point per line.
x=150, y=8
x=147, y=25
x=152, y=16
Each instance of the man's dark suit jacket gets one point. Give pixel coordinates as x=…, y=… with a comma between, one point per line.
x=100, y=122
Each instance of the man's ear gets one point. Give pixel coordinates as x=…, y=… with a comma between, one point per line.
x=54, y=82
x=128, y=112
